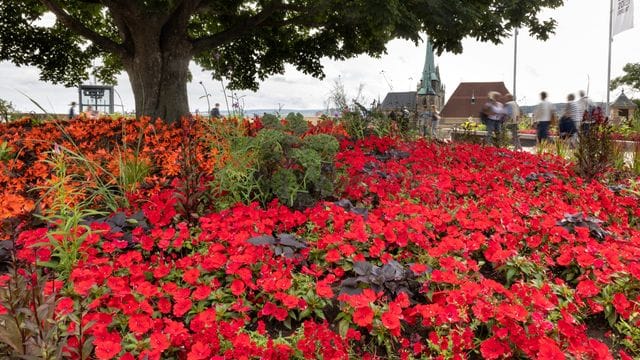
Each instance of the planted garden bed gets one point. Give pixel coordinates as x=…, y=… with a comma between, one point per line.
x=423, y=250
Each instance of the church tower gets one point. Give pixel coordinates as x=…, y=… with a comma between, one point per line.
x=430, y=90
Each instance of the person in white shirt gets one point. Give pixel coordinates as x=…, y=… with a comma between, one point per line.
x=512, y=111
x=542, y=115
x=495, y=114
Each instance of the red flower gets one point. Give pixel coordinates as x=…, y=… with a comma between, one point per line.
x=181, y=307
x=391, y=319
x=159, y=342
x=107, y=349
x=493, y=349
x=201, y=292
x=237, y=287
x=621, y=304
x=324, y=290
x=64, y=306
x=363, y=316
x=549, y=350
x=332, y=256
x=140, y=323
x=587, y=288
x=199, y=351
x=191, y=276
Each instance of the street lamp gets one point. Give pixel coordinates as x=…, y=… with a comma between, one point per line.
x=206, y=94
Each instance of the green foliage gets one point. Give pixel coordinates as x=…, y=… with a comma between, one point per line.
x=382, y=124
x=6, y=109
x=270, y=121
x=354, y=124
x=237, y=180
x=70, y=206
x=635, y=160
x=296, y=124
x=132, y=171
x=6, y=151
x=631, y=77
x=277, y=164
x=325, y=145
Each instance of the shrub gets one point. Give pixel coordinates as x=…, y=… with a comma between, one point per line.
x=270, y=121
x=355, y=124
x=296, y=124
x=274, y=164
x=595, y=151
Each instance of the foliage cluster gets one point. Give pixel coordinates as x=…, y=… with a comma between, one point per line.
x=281, y=161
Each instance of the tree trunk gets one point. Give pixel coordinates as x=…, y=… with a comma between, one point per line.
x=158, y=71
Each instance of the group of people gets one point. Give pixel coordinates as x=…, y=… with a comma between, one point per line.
x=575, y=117
x=501, y=110
x=89, y=113
x=429, y=122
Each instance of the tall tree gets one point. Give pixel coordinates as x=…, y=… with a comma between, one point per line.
x=631, y=77
x=242, y=40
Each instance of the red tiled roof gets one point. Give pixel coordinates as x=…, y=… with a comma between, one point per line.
x=459, y=104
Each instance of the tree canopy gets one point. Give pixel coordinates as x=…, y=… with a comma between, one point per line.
x=243, y=41
x=631, y=77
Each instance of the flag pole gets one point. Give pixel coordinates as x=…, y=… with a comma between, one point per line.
x=609, y=62
x=515, y=60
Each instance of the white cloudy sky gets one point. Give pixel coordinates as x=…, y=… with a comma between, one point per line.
x=574, y=58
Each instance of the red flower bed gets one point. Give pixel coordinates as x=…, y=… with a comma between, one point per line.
x=445, y=251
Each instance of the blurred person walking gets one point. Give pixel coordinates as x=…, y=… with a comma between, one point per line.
x=435, y=122
x=494, y=110
x=543, y=115
x=512, y=120
x=585, y=108
x=568, y=127
x=215, y=112
x=72, y=110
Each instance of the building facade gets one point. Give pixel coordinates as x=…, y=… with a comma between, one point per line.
x=430, y=90
x=467, y=100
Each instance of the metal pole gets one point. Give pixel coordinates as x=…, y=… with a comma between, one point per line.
x=206, y=94
x=515, y=61
x=609, y=63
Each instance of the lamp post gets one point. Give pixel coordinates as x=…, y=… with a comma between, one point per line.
x=121, y=103
x=206, y=94
x=387, y=81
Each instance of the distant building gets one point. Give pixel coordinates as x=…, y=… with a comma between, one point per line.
x=395, y=101
x=467, y=101
x=622, y=108
x=430, y=90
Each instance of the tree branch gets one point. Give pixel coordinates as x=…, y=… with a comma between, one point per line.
x=77, y=26
x=237, y=30
x=181, y=13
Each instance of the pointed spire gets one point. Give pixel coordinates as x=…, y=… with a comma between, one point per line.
x=430, y=73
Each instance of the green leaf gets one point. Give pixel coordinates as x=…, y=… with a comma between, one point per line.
x=510, y=274
x=305, y=313
x=319, y=313
x=343, y=327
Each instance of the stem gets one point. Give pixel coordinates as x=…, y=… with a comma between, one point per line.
x=13, y=309
x=36, y=305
